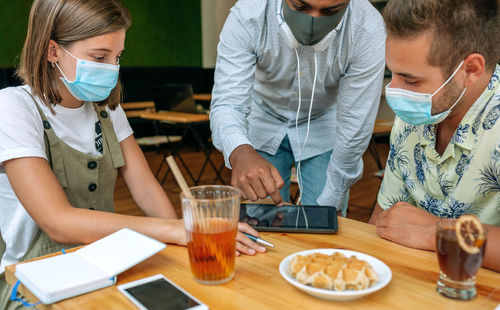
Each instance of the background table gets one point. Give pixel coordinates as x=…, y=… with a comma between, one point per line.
x=191, y=123
x=258, y=285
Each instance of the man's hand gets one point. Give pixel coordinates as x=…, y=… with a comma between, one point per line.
x=255, y=176
x=408, y=225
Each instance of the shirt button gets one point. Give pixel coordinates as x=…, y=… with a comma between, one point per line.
x=104, y=114
x=92, y=165
x=92, y=187
x=46, y=124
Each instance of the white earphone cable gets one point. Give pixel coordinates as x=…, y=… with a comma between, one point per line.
x=302, y=148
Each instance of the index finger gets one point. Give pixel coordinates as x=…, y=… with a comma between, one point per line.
x=272, y=183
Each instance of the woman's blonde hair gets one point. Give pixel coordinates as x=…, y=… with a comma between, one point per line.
x=65, y=21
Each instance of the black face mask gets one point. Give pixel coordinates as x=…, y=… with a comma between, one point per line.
x=309, y=30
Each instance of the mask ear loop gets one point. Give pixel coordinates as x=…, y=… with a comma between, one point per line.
x=60, y=68
x=449, y=79
x=301, y=149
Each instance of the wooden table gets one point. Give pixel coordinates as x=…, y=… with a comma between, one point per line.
x=191, y=122
x=176, y=117
x=202, y=97
x=258, y=285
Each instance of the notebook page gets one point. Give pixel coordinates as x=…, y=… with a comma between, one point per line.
x=120, y=251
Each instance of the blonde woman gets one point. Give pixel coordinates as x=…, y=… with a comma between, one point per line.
x=64, y=138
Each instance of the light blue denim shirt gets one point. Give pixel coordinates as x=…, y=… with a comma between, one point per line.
x=255, y=95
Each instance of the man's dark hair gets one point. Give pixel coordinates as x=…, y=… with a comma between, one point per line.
x=459, y=28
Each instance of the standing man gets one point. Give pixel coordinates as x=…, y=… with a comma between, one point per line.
x=297, y=82
x=444, y=158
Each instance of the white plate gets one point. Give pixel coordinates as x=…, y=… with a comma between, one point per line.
x=384, y=276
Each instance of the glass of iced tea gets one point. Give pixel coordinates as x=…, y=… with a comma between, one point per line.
x=211, y=220
x=460, y=245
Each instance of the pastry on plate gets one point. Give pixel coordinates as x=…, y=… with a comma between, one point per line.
x=333, y=272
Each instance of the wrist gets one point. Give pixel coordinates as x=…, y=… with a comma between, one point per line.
x=236, y=153
x=431, y=238
x=175, y=231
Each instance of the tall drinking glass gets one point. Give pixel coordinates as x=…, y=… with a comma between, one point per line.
x=459, y=260
x=211, y=220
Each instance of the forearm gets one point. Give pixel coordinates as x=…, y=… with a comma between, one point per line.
x=233, y=84
x=375, y=214
x=492, y=252
x=154, y=202
x=339, y=178
x=82, y=226
x=357, y=109
x=229, y=131
x=145, y=189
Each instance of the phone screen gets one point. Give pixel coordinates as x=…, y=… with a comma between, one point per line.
x=160, y=294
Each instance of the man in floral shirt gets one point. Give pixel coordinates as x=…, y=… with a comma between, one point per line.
x=444, y=158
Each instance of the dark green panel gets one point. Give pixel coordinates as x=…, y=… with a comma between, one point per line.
x=13, y=21
x=163, y=33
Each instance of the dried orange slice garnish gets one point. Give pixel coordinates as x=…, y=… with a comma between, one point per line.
x=470, y=233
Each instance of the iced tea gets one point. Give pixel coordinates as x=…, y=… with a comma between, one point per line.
x=455, y=263
x=460, y=246
x=212, y=247
x=211, y=219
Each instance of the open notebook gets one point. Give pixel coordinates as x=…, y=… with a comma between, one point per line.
x=89, y=268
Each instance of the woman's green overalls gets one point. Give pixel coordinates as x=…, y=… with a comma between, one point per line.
x=88, y=180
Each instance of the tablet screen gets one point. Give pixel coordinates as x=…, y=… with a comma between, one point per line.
x=290, y=218
x=160, y=294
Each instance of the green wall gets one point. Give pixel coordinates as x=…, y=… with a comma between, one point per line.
x=163, y=32
x=13, y=20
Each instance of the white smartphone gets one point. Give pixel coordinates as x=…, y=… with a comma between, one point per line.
x=158, y=292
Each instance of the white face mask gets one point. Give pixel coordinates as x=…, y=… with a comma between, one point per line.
x=415, y=108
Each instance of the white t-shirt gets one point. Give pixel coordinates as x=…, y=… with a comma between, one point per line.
x=22, y=135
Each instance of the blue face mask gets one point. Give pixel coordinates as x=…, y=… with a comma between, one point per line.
x=415, y=108
x=94, y=81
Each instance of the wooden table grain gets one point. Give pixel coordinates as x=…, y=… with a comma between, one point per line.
x=258, y=284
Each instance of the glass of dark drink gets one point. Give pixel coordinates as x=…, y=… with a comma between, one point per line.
x=211, y=221
x=460, y=245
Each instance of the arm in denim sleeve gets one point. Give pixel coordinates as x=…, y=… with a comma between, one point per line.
x=233, y=83
x=359, y=97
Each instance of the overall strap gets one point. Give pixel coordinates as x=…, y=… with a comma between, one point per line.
x=52, y=147
x=110, y=136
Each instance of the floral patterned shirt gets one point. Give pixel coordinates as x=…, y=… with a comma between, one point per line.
x=465, y=179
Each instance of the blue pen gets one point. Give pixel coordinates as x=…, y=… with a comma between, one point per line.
x=259, y=240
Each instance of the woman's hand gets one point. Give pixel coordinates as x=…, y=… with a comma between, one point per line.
x=243, y=244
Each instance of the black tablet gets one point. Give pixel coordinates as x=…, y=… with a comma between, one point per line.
x=289, y=218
